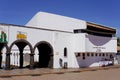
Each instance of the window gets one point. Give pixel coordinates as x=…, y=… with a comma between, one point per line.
x=78, y=54
x=103, y=54
x=106, y=54
x=99, y=54
x=111, y=56
x=77, y=31
x=83, y=56
x=88, y=54
x=65, y=52
x=96, y=54
x=92, y=54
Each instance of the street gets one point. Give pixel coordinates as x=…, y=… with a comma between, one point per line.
x=104, y=74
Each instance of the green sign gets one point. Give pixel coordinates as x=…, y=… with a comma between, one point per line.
x=3, y=37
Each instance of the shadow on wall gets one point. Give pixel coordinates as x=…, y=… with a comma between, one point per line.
x=98, y=40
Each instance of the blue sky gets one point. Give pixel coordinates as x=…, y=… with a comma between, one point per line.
x=105, y=12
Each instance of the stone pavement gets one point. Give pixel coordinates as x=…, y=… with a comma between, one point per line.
x=45, y=71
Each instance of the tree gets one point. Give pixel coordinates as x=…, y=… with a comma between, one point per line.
x=118, y=41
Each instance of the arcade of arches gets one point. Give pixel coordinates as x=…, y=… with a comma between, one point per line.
x=45, y=53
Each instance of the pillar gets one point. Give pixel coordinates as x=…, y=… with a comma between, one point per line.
x=21, y=60
x=0, y=59
x=7, y=61
x=31, y=61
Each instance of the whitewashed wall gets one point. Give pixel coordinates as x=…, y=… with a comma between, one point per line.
x=58, y=40
x=33, y=35
x=62, y=40
x=56, y=22
x=79, y=42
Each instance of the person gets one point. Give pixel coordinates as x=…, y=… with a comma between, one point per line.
x=112, y=59
x=60, y=62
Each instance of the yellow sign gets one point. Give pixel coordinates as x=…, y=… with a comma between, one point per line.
x=21, y=36
x=57, y=53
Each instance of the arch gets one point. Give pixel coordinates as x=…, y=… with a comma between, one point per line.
x=21, y=41
x=3, y=45
x=45, y=54
x=21, y=44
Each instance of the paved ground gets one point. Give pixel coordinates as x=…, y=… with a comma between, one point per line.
x=99, y=73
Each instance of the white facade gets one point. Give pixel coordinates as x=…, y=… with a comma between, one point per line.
x=56, y=22
x=75, y=49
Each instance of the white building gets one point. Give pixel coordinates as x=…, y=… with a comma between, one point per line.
x=50, y=40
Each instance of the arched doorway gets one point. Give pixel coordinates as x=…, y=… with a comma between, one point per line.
x=21, y=44
x=3, y=54
x=45, y=52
